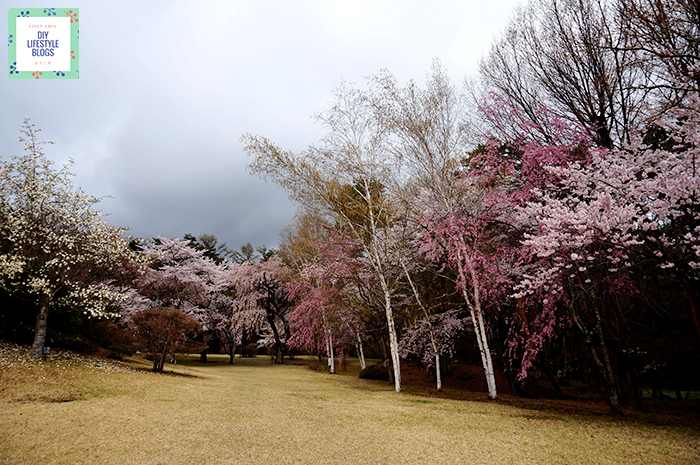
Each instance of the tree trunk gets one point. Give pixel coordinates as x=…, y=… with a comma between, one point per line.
x=393, y=340
x=602, y=359
x=636, y=388
x=331, y=355
x=385, y=358
x=482, y=342
x=280, y=354
x=478, y=320
x=550, y=377
x=40, y=333
x=608, y=372
x=278, y=341
x=360, y=352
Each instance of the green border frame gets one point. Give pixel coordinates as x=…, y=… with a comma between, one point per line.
x=12, y=15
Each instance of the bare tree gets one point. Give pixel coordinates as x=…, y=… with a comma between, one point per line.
x=574, y=57
x=666, y=35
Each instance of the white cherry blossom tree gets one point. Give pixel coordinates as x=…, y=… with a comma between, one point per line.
x=55, y=249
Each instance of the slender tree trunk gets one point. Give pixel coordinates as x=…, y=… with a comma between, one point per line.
x=331, y=355
x=550, y=377
x=609, y=372
x=393, y=340
x=40, y=332
x=477, y=319
x=482, y=341
x=360, y=352
x=485, y=352
x=634, y=381
x=385, y=358
x=601, y=359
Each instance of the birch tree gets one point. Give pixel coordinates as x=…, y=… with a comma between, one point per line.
x=427, y=130
x=346, y=176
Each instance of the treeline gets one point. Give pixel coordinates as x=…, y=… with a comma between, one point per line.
x=544, y=217
x=549, y=208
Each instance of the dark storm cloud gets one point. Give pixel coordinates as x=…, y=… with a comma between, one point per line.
x=167, y=89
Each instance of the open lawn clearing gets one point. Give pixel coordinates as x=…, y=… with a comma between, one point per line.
x=63, y=412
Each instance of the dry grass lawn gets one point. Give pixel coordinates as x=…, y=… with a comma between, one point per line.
x=72, y=410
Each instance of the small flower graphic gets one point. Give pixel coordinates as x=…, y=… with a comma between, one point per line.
x=50, y=11
x=71, y=15
x=72, y=54
x=37, y=74
x=13, y=68
x=9, y=40
x=23, y=14
x=59, y=73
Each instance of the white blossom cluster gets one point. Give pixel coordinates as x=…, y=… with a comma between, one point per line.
x=54, y=247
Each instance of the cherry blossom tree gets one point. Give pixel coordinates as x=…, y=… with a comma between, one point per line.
x=434, y=337
x=261, y=302
x=55, y=249
x=314, y=318
x=186, y=278
x=626, y=208
x=323, y=318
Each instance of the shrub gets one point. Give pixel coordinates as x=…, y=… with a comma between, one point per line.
x=251, y=350
x=318, y=366
x=118, y=351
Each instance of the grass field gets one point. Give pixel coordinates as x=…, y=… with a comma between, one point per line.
x=73, y=409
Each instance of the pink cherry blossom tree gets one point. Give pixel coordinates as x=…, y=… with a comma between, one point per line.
x=261, y=302
x=183, y=277
x=323, y=319
x=637, y=206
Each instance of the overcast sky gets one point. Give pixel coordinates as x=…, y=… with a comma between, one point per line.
x=167, y=88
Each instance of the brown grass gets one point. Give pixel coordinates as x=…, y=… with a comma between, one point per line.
x=69, y=410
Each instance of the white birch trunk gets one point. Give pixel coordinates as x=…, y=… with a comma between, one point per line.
x=393, y=340
x=329, y=346
x=331, y=355
x=479, y=328
x=360, y=352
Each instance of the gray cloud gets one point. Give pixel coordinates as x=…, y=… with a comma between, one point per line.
x=167, y=88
